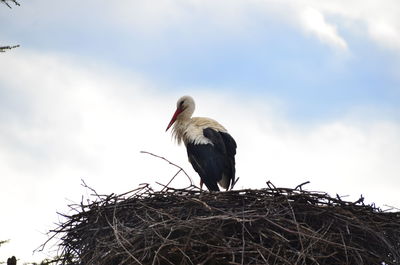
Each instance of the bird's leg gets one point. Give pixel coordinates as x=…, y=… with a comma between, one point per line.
x=201, y=184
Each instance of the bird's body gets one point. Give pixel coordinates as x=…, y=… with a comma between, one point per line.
x=210, y=148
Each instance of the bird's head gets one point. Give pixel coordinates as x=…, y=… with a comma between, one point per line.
x=184, y=109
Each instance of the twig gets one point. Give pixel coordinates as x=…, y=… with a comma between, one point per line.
x=234, y=183
x=180, y=168
x=3, y=48
x=243, y=241
x=86, y=186
x=5, y=2
x=300, y=186
x=169, y=182
x=117, y=236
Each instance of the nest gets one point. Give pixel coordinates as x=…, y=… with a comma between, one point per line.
x=189, y=226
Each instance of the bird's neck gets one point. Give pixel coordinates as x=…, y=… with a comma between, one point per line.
x=179, y=128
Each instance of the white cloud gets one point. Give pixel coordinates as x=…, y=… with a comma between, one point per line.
x=377, y=20
x=69, y=119
x=314, y=22
x=386, y=34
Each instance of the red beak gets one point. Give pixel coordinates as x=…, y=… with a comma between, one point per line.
x=177, y=112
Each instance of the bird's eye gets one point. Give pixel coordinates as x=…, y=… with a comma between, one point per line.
x=181, y=103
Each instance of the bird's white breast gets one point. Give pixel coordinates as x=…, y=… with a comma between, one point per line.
x=194, y=130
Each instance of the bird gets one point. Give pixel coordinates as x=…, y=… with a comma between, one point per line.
x=210, y=148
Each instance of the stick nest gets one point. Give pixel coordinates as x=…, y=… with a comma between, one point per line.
x=266, y=226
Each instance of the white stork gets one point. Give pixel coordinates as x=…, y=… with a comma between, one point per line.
x=211, y=150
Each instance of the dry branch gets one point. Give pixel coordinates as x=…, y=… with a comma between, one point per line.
x=7, y=4
x=4, y=48
x=175, y=165
x=266, y=226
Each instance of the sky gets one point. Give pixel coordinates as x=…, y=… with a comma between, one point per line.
x=309, y=89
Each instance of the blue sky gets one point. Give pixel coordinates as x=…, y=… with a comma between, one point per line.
x=265, y=56
x=309, y=90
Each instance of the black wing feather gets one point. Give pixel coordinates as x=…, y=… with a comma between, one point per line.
x=230, y=146
x=211, y=161
x=204, y=160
